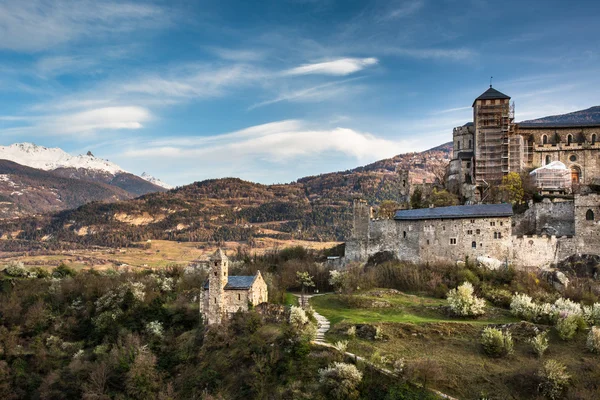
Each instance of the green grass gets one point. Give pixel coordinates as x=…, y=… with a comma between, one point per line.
x=403, y=308
x=291, y=300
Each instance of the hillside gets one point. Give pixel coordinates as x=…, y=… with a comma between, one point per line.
x=587, y=116
x=26, y=191
x=313, y=208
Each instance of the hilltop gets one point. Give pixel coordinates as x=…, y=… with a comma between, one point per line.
x=312, y=208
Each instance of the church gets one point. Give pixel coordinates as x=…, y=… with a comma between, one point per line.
x=224, y=295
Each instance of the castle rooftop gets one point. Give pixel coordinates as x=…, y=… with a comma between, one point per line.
x=491, y=94
x=455, y=212
x=242, y=282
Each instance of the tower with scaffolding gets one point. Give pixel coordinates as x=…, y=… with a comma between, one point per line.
x=497, y=150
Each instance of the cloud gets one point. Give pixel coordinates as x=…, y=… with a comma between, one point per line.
x=329, y=90
x=343, y=66
x=83, y=123
x=431, y=53
x=279, y=142
x=35, y=25
x=405, y=10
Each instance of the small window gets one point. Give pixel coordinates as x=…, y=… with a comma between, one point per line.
x=544, y=139
x=215, y=273
x=474, y=245
x=499, y=235
x=443, y=227
x=501, y=223
x=472, y=221
x=548, y=160
x=478, y=231
x=569, y=139
x=404, y=183
x=492, y=223
x=495, y=235
x=215, y=300
x=480, y=244
x=216, y=263
x=573, y=158
x=404, y=234
x=458, y=145
x=469, y=165
x=469, y=232
x=224, y=273
x=427, y=241
x=470, y=144
x=452, y=240
x=593, y=139
x=589, y=215
x=239, y=296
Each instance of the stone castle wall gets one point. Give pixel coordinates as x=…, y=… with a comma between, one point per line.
x=534, y=251
x=546, y=218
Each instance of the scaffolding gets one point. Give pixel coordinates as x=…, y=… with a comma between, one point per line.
x=554, y=177
x=493, y=127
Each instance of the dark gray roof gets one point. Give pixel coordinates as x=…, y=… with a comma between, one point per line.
x=492, y=94
x=546, y=125
x=452, y=212
x=469, y=124
x=237, y=282
x=465, y=155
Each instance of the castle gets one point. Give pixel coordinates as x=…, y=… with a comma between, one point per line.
x=485, y=150
x=223, y=295
x=493, y=145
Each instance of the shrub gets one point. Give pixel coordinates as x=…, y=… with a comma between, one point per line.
x=567, y=326
x=591, y=314
x=378, y=333
x=496, y=343
x=340, y=381
x=338, y=280
x=341, y=345
x=462, y=301
x=16, y=269
x=539, y=343
x=555, y=379
x=301, y=323
x=351, y=331
x=62, y=271
x=523, y=306
x=593, y=340
x=424, y=371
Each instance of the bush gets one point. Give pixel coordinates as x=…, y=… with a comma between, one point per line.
x=593, y=340
x=591, y=314
x=341, y=345
x=340, y=381
x=567, y=326
x=539, y=343
x=496, y=343
x=462, y=301
x=523, y=306
x=555, y=379
x=351, y=332
x=16, y=269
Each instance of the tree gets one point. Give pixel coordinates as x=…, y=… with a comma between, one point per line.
x=416, y=200
x=305, y=280
x=511, y=188
x=442, y=198
x=387, y=209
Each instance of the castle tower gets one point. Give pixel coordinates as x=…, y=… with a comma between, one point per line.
x=493, y=118
x=218, y=277
x=404, y=192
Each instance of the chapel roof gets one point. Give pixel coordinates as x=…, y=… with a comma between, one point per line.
x=455, y=212
x=240, y=282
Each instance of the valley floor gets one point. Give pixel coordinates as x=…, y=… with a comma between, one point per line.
x=161, y=253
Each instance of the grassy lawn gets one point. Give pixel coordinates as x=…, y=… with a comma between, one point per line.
x=416, y=328
x=291, y=300
x=400, y=308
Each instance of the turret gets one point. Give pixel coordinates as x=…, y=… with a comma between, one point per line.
x=218, y=277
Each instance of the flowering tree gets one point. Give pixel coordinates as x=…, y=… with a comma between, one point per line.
x=463, y=302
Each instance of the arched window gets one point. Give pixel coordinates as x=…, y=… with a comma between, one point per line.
x=544, y=139
x=547, y=160
x=589, y=215
x=593, y=139
x=474, y=245
x=575, y=174
x=404, y=234
x=569, y=139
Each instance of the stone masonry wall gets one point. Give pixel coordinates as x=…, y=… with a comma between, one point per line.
x=534, y=251
x=546, y=218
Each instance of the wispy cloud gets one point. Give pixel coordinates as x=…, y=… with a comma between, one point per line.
x=343, y=66
x=35, y=25
x=459, y=54
x=407, y=9
x=280, y=142
x=316, y=93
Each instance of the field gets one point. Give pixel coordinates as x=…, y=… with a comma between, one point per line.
x=160, y=254
x=419, y=330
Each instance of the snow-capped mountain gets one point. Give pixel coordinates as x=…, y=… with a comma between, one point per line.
x=49, y=159
x=155, y=181
x=38, y=179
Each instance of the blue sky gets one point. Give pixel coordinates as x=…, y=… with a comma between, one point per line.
x=274, y=90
